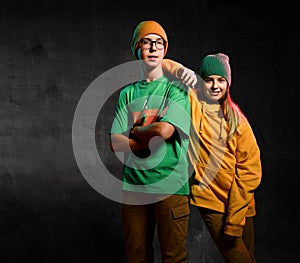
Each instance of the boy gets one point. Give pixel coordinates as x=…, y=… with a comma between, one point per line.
x=151, y=126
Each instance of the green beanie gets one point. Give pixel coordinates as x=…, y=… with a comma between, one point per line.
x=216, y=64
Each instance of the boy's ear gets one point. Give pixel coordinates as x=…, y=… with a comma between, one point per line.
x=138, y=53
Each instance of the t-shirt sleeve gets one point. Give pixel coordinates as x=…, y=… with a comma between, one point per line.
x=120, y=122
x=178, y=112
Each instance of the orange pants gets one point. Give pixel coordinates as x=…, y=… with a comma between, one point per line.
x=170, y=216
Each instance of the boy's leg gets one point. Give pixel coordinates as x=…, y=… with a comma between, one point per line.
x=172, y=215
x=139, y=226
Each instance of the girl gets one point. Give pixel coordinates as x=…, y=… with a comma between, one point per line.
x=226, y=161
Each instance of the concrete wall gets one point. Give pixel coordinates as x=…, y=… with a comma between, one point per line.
x=51, y=51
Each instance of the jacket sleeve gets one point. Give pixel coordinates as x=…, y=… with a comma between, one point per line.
x=247, y=179
x=171, y=67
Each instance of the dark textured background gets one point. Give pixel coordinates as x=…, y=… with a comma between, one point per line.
x=50, y=51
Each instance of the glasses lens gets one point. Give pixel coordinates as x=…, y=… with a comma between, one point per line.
x=160, y=44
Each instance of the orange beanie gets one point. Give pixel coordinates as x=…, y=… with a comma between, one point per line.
x=144, y=28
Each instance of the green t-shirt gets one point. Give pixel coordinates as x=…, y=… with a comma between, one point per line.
x=165, y=169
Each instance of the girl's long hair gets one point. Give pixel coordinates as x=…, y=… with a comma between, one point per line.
x=232, y=113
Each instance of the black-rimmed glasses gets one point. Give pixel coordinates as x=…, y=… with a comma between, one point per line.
x=147, y=43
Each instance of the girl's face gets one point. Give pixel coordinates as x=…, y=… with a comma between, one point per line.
x=214, y=88
x=152, y=50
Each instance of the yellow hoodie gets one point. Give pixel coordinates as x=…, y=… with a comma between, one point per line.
x=226, y=172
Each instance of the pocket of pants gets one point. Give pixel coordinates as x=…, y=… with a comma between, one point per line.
x=181, y=211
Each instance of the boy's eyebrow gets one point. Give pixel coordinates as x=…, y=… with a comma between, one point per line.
x=147, y=38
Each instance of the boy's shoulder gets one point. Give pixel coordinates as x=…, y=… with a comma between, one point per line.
x=128, y=87
x=175, y=83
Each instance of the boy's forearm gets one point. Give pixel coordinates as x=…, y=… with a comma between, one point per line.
x=146, y=133
x=121, y=143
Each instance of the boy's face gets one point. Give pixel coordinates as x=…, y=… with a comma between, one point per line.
x=152, y=50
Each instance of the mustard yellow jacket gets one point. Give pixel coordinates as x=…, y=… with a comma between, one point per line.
x=226, y=172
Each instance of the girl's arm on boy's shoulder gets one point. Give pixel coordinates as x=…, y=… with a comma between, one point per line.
x=186, y=75
x=171, y=66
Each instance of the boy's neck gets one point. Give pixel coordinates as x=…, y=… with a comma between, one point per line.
x=153, y=74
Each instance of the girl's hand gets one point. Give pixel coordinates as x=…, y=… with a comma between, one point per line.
x=187, y=76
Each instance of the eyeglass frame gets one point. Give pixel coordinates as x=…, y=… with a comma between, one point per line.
x=151, y=43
